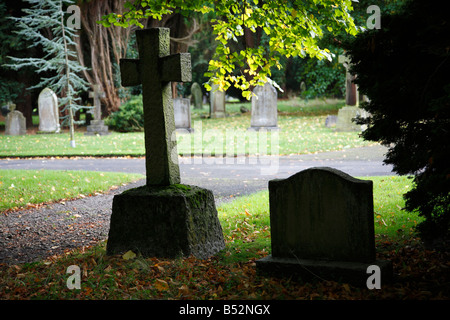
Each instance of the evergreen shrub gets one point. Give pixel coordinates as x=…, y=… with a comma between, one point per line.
x=404, y=69
x=129, y=117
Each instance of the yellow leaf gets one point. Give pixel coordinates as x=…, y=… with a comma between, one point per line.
x=183, y=289
x=129, y=255
x=161, y=285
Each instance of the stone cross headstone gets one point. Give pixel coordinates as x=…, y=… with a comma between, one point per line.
x=97, y=126
x=322, y=224
x=345, y=120
x=197, y=95
x=264, y=108
x=163, y=218
x=217, y=102
x=182, y=114
x=48, y=112
x=351, y=89
x=15, y=124
x=154, y=70
x=97, y=94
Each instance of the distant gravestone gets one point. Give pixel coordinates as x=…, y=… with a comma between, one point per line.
x=330, y=121
x=322, y=224
x=197, y=95
x=182, y=114
x=264, y=108
x=48, y=112
x=163, y=218
x=15, y=124
x=351, y=89
x=217, y=102
x=346, y=119
x=97, y=126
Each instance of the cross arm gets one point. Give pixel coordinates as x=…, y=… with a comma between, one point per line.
x=176, y=67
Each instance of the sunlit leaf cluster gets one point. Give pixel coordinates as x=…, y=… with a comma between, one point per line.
x=291, y=27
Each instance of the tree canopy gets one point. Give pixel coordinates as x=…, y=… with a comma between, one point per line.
x=271, y=29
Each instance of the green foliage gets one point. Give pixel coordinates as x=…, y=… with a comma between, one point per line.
x=403, y=68
x=129, y=118
x=322, y=78
x=43, y=26
x=292, y=28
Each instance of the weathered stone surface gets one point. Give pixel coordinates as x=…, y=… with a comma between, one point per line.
x=154, y=70
x=345, y=120
x=217, y=103
x=330, y=121
x=163, y=218
x=322, y=213
x=264, y=108
x=172, y=221
x=97, y=126
x=48, y=112
x=197, y=94
x=310, y=270
x=15, y=124
x=182, y=114
x=322, y=219
x=351, y=89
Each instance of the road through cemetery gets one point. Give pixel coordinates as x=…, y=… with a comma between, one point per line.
x=228, y=177
x=45, y=231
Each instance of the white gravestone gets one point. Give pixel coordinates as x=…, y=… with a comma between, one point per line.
x=48, y=112
x=264, y=108
x=182, y=114
x=217, y=103
x=15, y=124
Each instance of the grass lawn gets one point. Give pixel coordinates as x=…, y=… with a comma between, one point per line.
x=302, y=131
x=23, y=188
x=231, y=273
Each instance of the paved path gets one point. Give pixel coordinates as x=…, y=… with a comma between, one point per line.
x=228, y=176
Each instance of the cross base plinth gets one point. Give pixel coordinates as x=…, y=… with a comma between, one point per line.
x=165, y=222
x=354, y=273
x=264, y=128
x=97, y=127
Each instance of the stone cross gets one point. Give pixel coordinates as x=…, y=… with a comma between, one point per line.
x=351, y=95
x=97, y=94
x=155, y=69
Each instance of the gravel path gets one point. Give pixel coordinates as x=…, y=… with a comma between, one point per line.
x=29, y=235
x=33, y=234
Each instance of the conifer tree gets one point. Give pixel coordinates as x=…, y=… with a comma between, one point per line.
x=44, y=25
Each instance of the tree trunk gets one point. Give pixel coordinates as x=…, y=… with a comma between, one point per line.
x=106, y=47
x=101, y=48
